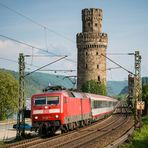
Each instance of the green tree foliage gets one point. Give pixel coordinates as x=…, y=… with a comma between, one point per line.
x=8, y=95
x=145, y=97
x=94, y=87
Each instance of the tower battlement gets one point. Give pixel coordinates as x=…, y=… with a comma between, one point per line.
x=92, y=20
x=89, y=13
x=92, y=37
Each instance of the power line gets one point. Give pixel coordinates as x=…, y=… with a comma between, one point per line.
x=32, y=65
x=35, y=22
x=23, y=43
x=45, y=66
x=113, y=68
x=39, y=24
x=58, y=70
x=39, y=56
x=118, y=64
x=9, y=60
x=119, y=53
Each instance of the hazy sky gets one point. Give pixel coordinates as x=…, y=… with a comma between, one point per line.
x=125, y=22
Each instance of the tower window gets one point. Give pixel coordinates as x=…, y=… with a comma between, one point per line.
x=96, y=53
x=96, y=24
x=99, y=78
x=86, y=66
x=97, y=66
x=86, y=53
x=89, y=24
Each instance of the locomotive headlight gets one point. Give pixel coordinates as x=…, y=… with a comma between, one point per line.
x=36, y=117
x=56, y=116
x=46, y=107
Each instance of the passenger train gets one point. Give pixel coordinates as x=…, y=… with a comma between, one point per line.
x=64, y=110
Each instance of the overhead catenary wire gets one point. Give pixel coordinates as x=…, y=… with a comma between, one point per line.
x=35, y=22
x=113, y=68
x=32, y=65
x=45, y=66
x=10, y=60
x=24, y=43
x=45, y=33
x=34, y=47
x=39, y=24
x=120, y=54
x=117, y=64
x=58, y=70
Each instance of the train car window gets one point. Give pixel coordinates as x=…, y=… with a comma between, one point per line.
x=92, y=104
x=101, y=104
x=40, y=101
x=53, y=100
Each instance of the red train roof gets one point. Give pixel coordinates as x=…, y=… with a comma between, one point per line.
x=74, y=94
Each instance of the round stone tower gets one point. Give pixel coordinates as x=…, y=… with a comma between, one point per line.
x=91, y=43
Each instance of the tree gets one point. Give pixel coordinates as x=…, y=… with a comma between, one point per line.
x=8, y=95
x=145, y=98
x=94, y=87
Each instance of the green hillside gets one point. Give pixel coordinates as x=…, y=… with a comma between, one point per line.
x=125, y=89
x=115, y=87
x=37, y=81
x=34, y=83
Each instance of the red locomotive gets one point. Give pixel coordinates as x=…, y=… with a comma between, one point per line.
x=65, y=110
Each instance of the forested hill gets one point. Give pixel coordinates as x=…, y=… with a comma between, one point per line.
x=35, y=82
x=125, y=89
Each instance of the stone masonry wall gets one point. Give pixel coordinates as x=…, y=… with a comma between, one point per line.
x=91, y=43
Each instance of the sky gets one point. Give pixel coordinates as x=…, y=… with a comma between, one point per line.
x=54, y=28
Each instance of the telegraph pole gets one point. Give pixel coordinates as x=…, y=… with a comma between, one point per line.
x=21, y=97
x=137, y=89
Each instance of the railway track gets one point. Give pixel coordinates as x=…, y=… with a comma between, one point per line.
x=79, y=138
x=88, y=139
x=38, y=140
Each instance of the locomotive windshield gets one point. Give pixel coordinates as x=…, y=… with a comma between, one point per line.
x=40, y=101
x=52, y=100
x=49, y=100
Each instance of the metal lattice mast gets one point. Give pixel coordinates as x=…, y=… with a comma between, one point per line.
x=130, y=90
x=137, y=87
x=21, y=95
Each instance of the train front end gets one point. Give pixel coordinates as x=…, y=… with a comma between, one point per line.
x=46, y=112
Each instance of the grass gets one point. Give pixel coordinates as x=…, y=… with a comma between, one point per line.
x=140, y=137
x=1, y=144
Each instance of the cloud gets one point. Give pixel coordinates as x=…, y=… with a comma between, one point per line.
x=10, y=50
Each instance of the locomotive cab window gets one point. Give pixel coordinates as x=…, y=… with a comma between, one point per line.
x=40, y=101
x=52, y=100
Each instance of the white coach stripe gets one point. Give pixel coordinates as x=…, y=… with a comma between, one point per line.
x=54, y=111
x=38, y=112
x=46, y=111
